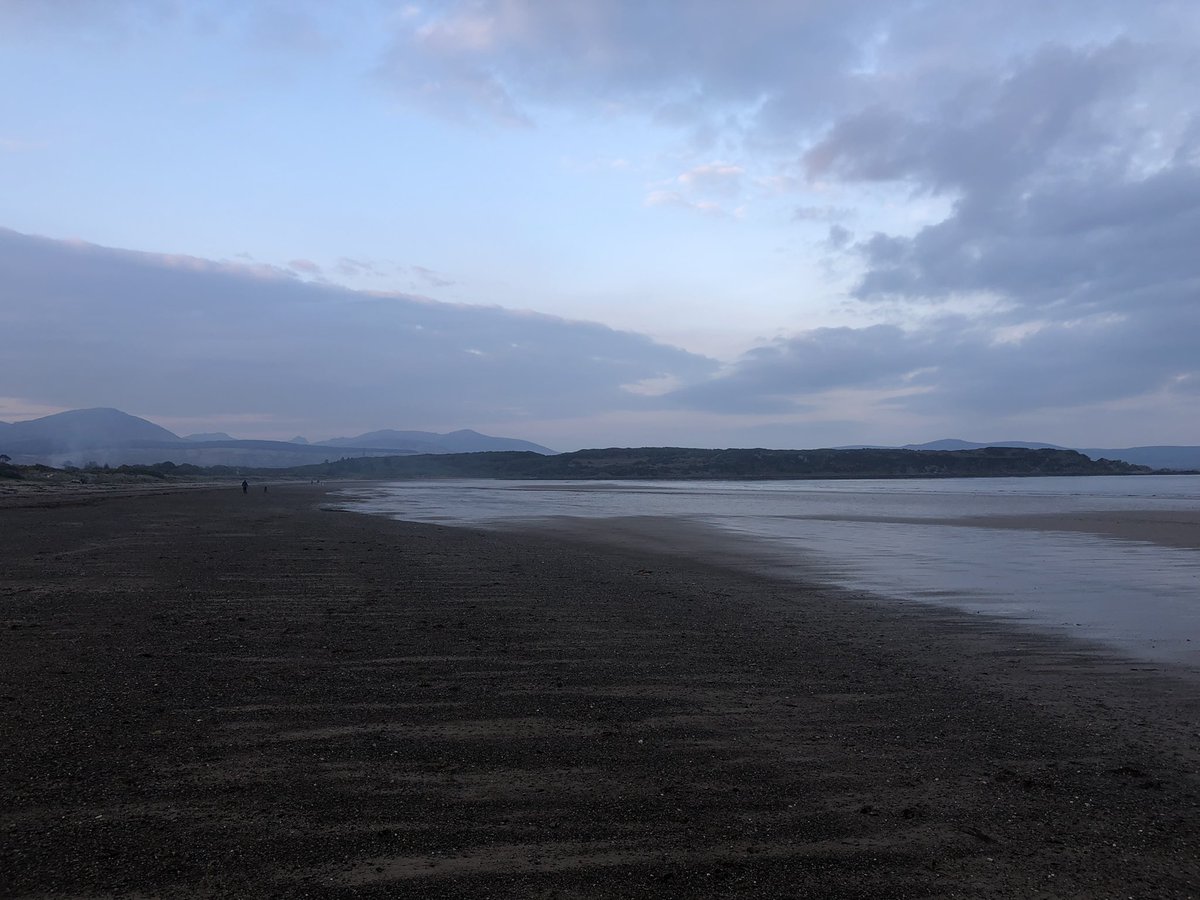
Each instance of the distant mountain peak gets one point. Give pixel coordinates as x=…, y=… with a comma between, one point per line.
x=957, y=444
x=464, y=440
x=79, y=431
x=101, y=420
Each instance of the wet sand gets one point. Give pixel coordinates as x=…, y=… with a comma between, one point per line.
x=211, y=694
x=1167, y=528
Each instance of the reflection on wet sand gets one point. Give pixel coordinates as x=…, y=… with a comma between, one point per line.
x=1103, y=559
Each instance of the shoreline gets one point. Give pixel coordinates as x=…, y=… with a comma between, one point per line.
x=1180, y=529
x=1122, y=577
x=210, y=694
x=1165, y=528
x=976, y=636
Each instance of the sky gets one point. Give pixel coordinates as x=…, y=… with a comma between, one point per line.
x=776, y=223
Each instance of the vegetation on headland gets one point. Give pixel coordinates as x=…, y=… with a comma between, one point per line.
x=97, y=474
x=684, y=463
x=650, y=463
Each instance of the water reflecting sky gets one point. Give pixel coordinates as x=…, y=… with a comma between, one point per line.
x=1139, y=597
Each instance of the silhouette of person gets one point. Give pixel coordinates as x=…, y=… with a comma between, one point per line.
x=245, y=486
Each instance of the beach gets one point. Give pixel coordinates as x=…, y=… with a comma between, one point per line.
x=211, y=693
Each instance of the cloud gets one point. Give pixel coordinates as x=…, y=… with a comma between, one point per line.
x=966, y=367
x=305, y=267
x=786, y=374
x=716, y=178
x=82, y=325
x=1064, y=146
x=838, y=237
x=677, y=199
x=432, y=278
x=680, y=59
x=708, y=189
x=1073, y=223
x=1064, y=141
x=772, y=68
x=358, y=267
x=820, y=213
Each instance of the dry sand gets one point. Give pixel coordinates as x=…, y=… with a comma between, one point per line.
x=211, y=694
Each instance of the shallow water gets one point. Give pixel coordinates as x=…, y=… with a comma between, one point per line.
x=1139, y=597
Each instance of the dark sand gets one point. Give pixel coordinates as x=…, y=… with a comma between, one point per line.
x=1179, y=528
x=211, y=694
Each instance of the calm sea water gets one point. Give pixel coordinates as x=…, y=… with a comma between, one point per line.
x=1141, y=598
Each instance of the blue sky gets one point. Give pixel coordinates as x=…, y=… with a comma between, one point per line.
x=691, y=222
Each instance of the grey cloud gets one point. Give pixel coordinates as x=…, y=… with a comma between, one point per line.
x=965, y=367
x=305, y=266
x=838, y=237
x=680, y=61
x=1064, y=139
x=820, y=213
x=1093, y=244
x=991, y=130
x=780, y=376
x=1076, y=209
x=353, y=267
x=776, y=69
x=1064, y=366
x=432, y=278
x=88, y=326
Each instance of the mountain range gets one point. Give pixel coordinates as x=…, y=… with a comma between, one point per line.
x=112, y=437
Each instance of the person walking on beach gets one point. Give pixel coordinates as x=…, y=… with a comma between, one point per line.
x=245, y=486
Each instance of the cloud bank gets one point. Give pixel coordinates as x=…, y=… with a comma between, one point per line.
x=82, y=325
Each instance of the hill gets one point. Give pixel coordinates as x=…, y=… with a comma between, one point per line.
x=681, y=463
x=955, y=444
x=463, y=441
x=111, y=437
x=1173, y=458
x=1157, y=457
x=78, y=431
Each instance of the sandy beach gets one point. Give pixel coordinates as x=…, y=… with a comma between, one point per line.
x=207, y=694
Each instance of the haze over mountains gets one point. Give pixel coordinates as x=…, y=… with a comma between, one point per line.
x=109, y=436
x=112, y=437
